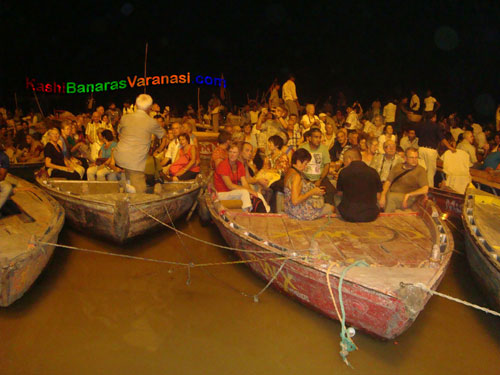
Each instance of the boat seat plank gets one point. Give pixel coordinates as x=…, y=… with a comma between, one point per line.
x=486, y=216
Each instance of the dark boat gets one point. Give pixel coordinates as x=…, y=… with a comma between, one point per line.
x=481, y=219
x=26, y=171
x=401, y=250
x=32, y=216
x=102, y=208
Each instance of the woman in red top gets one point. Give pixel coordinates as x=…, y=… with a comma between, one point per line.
x=230, y=181
x=184, y=166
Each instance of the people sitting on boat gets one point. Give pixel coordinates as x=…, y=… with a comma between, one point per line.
x=103, y=169
x=221, y=151
x=230, y=180
x=55, y=162
x=92, y=132
x=467, y=145
x=269, y=124
x=304, y=200
x=388, y=134
x=5, y=186
x=340, y=145
x=409, y=140
x=34, y=152
x=293, y=132
x=319, y=165
x=185, y=166
x=251, y=170
x=385, y=162
x=368, y=155
x=405, y=183
x=135, y=130
x=275, y=166
x=492, y=162
x=358, y=189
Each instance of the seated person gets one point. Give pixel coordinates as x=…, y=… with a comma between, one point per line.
x=230, y=181
x=405, y=183
x=371, y=150
x=55, y=162
x=184, y=166
x=358, y=187
x=34, y=152
x=385, y=162
x=467, y=145
x=319, y=165
x=221, y=151
x=492, y=162
x=5, y=187
x=101, y=169
x=246, y=157
x=303, y=199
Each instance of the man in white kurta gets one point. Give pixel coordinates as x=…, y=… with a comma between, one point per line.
x=135, y=132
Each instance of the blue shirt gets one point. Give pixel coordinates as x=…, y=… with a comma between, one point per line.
x=4, y=160
x=106, y=152
x=492, y=160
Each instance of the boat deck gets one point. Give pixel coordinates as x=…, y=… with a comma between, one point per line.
x=396, y=240
x=18, y=228
x=486, y=214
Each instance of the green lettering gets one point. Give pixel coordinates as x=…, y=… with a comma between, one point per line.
x=98, y=87
x=81, y=89
x=123, y=84
x=70, y=87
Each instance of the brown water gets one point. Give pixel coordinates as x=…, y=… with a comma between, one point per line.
x=96, y=314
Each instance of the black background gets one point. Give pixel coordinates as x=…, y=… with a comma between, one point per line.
x=367, y=49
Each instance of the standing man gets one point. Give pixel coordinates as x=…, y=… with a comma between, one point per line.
x=359, y=188
x=92, y=132
x=414, y=102
x=290, y=96
x=5, y=187
x=135, y=132
x=429, y=135
x=430, y=103
x=405, y=183
x=317, y=169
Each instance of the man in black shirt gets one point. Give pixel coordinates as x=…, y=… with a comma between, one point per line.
x=360, y=187
x=429, y=136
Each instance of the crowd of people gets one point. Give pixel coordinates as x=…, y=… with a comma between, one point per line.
x=274, y=155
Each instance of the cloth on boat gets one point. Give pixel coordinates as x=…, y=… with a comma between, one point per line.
x=456, y=168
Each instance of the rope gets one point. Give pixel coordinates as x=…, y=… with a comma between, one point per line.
x=207, y=242
x=433, y=292
x=256, y=296
x=191, y=265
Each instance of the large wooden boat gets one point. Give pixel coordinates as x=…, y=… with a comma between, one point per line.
x=102, y=208
x=481, y=219
x=401, y=250
x=30, y=216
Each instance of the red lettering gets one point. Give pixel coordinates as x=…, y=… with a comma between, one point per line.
x=131, y=83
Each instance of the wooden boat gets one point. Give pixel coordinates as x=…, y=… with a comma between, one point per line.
x=26, y=171
x=101, y=208
x=451, y=202
x=32, y=215
x=380, y=299
x=481, y=219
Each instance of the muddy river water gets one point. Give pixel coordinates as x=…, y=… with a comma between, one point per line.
x=96, y=314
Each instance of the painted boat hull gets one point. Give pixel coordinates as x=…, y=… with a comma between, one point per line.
x=124, y=219
x=385, y=315
x=485, y=270
x=18, y=274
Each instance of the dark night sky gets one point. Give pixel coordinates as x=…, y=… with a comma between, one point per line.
x=368, y=49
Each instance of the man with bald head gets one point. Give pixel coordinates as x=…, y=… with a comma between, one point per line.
x=358, y=189
x=384, y=163
x=135, y=132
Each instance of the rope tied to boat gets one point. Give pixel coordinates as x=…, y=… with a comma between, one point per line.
x=347, y=345
x=450, y=298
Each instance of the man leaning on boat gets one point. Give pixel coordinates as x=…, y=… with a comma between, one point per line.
x=135, y=130
x=5, y=187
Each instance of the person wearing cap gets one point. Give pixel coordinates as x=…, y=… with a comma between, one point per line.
x=135, y=132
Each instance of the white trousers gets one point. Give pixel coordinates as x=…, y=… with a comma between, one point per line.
x=429, y=156
x=241, y=194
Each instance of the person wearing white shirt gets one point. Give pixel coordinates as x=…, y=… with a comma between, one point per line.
x=389, y=112
x=352, y=119
x=430, y=103
x=410, y=140
x=467, y=145
x=414, y=102
x=290, y=96
x=311, y=120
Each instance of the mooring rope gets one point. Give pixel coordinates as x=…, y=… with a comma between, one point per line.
x=433, y=292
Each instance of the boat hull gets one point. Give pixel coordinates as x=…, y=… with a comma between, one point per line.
x=123, y=219
x=19, y=273
x=384, y=314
